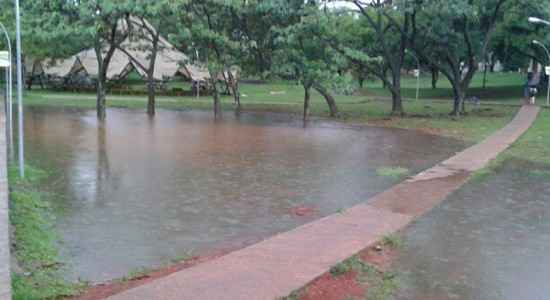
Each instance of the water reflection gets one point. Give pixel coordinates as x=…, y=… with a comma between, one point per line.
x=138, y=192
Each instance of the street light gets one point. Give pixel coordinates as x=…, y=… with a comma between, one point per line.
x=19, y=90
x=9, y=110
x=417, y=74
x=535, y=42
x=538, y=21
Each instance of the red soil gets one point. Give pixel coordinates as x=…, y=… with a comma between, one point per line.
x=102, y=291
x=346, y=286
x=302, y=211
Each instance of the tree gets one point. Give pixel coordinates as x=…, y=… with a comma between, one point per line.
x=91, y=23
x=453, y=37
x=145, y=41
x=512, y=41
x=302, y=52
x=207, y=25
x=381, y=32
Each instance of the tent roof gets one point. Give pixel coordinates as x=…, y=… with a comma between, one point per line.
x=59, y=67
x=169, y=61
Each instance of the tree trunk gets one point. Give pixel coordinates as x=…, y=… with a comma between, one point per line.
x=101, y=102
x=151, y=106
x=397, y=101
x=101, y=87
x=307, y=96
x=485, y=75
x=435, y=77
x=235, y=89
x=331, y=102
x=458, y=100
x=216, y=97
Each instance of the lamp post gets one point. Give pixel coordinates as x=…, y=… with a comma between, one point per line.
x=538, y=21
x=20, y=91
x=535, y=42
x=9, y=85
x=417, y=74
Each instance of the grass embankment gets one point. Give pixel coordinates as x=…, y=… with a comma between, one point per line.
x=34, y=241
x=534, y=145
x=427, y=114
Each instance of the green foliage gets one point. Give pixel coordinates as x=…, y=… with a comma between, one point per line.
x=302, y=53
x=383, y=287
x=512, y=43
x=392, y=172
x=35, y=241
x=354, y=263
x=393, y=241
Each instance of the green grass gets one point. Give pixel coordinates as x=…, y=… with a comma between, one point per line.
x=383, y=287
x=354, y=263
x=500, y=86
x=392, y=172
x=35, y=241
x=534, y=145
x=427, y=114
x=393, y=241
x=136, y=274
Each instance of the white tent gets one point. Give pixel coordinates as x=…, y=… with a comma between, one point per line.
x=169, y=61
x=59, y=67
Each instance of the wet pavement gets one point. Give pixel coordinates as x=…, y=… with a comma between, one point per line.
x=489, y=240
x=137, y=192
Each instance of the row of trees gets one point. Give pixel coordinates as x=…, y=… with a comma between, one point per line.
x=313, y=41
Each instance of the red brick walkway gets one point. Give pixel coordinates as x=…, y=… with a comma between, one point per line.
x=281, y=264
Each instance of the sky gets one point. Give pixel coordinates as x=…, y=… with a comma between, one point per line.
x=342, y=4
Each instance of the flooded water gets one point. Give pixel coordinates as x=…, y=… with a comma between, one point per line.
x=490, y=240
x=137, y=192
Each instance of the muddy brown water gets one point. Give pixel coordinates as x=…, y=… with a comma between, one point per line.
x=490, y=240
x=134, y=192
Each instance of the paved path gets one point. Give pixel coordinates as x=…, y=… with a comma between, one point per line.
x=489, y=240
x=5, y=279
x=279, y=265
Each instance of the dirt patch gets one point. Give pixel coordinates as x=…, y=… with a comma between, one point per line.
x=104, y=290
x=303, y=211
x=349, y=285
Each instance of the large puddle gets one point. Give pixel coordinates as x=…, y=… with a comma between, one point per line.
x=490, y=240
x=137, y=192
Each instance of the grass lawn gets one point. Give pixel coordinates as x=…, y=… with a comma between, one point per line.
x=34, y=241
x=534, y=145
x=369, y=106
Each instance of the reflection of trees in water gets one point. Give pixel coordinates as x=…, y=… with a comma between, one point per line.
x=89, y=170
x=103, y=172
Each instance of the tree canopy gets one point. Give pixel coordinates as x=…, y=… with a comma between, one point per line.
x=309, y=41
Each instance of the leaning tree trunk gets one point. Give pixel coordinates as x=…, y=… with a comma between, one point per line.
x=307, y=97
x=458, y=100
x=235, y=89
x=329, y=99
x=151, y=91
